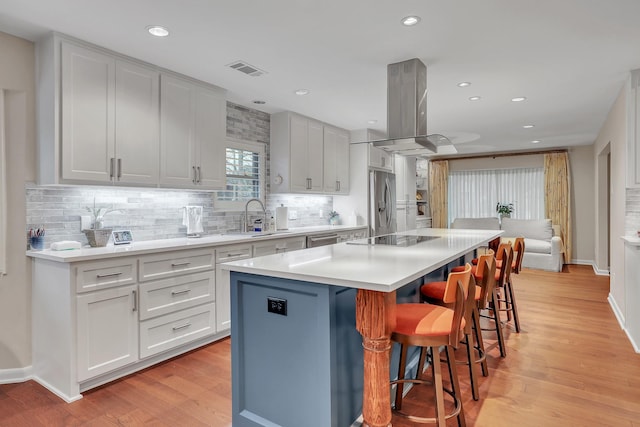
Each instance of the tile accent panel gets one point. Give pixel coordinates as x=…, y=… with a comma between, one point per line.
x=632, y=212
x=157, y=213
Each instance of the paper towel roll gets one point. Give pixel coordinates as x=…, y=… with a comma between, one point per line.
x=282, y=218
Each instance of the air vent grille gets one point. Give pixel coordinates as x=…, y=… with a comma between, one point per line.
x=246, y=68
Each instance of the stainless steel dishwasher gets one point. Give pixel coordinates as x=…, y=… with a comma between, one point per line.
x=322, y=240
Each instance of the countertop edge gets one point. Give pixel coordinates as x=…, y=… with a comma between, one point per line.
x=181, y=243
x=631, y=240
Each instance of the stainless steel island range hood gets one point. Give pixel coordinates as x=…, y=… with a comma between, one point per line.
x=407, y=112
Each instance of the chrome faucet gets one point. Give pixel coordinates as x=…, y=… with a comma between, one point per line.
x=246, y=215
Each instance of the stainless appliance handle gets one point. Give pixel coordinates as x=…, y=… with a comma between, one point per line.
x=387, y=201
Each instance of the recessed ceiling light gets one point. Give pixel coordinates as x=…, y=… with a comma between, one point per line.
x=259, y=102
x=474, y=98
x=464, y=84
x=535, y=141
x=372, y=122
x=302, y=92
x=528, y=126
x=158, y=31
x=409, y=21
x=518, y=99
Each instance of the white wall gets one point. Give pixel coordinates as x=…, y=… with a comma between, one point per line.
x=582, y=209
x=17, y=69
x=612, y=137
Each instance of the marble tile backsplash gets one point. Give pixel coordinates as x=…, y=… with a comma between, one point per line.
x=150, y=214
x=632, y=211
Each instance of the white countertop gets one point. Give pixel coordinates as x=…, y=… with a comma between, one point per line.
x=378, y=268
x=152, y=246
x=631, y=240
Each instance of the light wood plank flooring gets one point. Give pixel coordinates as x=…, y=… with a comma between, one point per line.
x=571, y=365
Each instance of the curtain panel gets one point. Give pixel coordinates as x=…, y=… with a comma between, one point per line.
x=475, y=193
x=557, y=183
x=438, y=189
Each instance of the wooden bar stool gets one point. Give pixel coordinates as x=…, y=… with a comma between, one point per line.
x=488, y=298
x=506, y=267
x=430, y=327
x=433, y=293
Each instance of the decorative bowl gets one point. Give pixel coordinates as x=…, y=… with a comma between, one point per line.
x=98, y=238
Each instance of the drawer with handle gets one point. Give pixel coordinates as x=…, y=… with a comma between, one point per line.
x=165, y=332
x=94, y=275
x=171, y=264
x=233, y=253
x=176, y=293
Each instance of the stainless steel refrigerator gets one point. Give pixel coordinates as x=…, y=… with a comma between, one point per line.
x=382, y=203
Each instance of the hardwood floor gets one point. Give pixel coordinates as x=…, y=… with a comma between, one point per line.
x=571, y=365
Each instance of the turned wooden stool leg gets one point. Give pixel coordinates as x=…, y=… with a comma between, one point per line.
x=375, y=319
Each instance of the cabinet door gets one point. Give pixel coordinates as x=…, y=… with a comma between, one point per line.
x=210, y=137
x=315, y=151
x=299, y=153
x=223, y=300
x=107, y=328
x=177, y=146
x=136, y=125
x=342, y=161
x=88, y=92
x=330, y=160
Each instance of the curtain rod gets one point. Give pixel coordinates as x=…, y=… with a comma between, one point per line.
x=485, y=156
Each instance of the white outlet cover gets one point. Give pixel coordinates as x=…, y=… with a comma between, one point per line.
x=293, y=214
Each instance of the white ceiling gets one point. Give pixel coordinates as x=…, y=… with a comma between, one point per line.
x=570, y=58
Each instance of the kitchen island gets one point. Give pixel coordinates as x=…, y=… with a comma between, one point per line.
x=296, y=358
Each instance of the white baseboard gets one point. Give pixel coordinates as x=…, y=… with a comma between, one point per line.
x=19, y=375
x=593, y=265
x=616, y=311
x=57, y=392
x=633, y=342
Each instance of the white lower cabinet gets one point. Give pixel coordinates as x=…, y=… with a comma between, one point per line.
x=107, y=330
x=223, y=282
x=171, y=330
x=270, y=247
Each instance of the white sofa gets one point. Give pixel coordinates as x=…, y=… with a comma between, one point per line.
x=543, y=249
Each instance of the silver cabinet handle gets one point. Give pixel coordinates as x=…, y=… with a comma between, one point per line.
x=119, y=175
x=102, y=276
x=195, y=175
x=338, y=185
x=234, y=255
x=184, y=291
x=135, y=300
x=177, y=328
x=179, y=264
x=199, y=180
x=111, y=167
x=309, y=183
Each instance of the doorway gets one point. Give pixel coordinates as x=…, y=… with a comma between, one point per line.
x=603, y=209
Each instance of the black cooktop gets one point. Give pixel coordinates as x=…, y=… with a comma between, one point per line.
x=393, y=240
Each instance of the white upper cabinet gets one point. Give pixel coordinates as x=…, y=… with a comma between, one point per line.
x=137, y=131
x=193, y=129
x=109, y=118
x=405, y=170
x=100, y=121
x=296, y=154
x=336, y=160
x=88, y=103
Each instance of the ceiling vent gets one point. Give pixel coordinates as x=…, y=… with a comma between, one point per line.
x=246, y=68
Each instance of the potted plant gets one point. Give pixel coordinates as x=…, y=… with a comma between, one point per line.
x=334, y=218
x=504, y=209
x=97, y=235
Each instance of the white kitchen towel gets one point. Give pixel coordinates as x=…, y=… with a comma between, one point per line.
x=192, y=218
